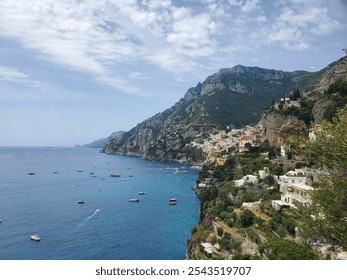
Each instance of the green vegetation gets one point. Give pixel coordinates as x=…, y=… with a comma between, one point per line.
x=337, y=94
x=283, y=249
x=326, y=219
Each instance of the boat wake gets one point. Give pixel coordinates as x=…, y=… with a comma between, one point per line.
x=88, y=218
x=92, y=215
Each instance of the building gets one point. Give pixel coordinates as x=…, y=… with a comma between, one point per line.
x=293, y=190
x=292, y=177
x=263, y=173
x=207, y=249
x=246, y=179
x=243, y=141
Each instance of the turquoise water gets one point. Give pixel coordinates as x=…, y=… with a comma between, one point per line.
x=106, y=225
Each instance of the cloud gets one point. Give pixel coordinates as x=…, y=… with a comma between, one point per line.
x=13, y=75
x=99, y=36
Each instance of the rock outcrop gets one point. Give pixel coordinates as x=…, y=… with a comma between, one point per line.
x=277, y=127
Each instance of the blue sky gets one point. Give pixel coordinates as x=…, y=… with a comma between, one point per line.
x=75, y=71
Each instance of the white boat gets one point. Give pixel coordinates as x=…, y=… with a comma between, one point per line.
x=172, y=203
x=142, y=193
x=115, y=175
x=134, y=200
x=80, y=202
x=173, y=199
x=35, y=237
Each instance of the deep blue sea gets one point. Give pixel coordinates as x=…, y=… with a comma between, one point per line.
x=107, y=226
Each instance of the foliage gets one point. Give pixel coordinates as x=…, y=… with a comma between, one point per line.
x=283, y=249
x=252, y=162
x=246, y=218
x=326, y=218
x=253, y=236
x=337, y=93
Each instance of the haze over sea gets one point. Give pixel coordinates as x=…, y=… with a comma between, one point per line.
x=107, y=225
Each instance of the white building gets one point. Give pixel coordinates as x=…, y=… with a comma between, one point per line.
x=246, y=179
x=293, y=189
x=263, y=173
x=292, y=177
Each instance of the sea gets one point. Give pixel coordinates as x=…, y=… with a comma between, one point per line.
x=106, y=226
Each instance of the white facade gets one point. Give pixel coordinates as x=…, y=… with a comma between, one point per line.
x=293, y=189
x=263, y=173
x=246, y=179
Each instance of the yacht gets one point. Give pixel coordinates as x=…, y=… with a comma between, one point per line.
x=115, y=175
x=35, y=237
x=142, y=193
x=134, y=200
x=173, y=201
x=80, y=202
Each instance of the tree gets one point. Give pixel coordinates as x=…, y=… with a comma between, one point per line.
x=326, y=218
x=246, y=218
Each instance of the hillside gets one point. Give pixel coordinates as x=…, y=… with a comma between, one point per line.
x=100, y=143
x=233, y=97
x=239, y=214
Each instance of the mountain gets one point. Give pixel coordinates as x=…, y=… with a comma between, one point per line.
x=310, y=108
x=100, y=143
x=233, y=97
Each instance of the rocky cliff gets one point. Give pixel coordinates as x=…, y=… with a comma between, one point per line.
x=292, y=117
x=233, y=97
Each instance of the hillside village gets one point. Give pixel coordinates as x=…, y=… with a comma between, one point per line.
x=253, y=216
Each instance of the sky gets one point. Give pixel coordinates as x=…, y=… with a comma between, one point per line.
x=73, y=71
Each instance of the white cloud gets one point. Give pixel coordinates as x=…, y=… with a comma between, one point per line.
x=10, y=74
x=98, y=36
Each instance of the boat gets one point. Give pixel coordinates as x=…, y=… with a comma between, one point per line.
x=131, y=198
x=172, y=201
x=115, y=175
x=31, y=173
x=35, y=237
x=142, y=193
x=80, y=202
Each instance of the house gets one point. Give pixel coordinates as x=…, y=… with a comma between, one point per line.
x=283, y=151
x=243, y=141
x=297, y=193
x=292, y=177
x=246, y=179
x=207, y=249
x=293, y=189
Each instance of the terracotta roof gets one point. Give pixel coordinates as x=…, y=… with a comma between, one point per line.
x=246, y=138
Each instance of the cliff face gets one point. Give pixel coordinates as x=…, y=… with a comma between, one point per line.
x=230, y=98
x=312, y=107
x=331, y=74
x=277, y=127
